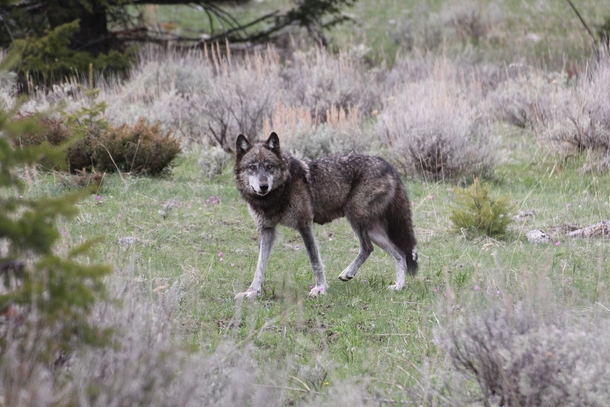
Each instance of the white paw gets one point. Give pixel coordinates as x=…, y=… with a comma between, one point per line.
x=317, y=290
x=250, y=294
x=396, y=287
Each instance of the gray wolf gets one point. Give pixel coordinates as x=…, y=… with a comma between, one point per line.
x=280, y=189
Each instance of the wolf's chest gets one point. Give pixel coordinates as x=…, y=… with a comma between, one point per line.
x=286, y=216
x=291, y=219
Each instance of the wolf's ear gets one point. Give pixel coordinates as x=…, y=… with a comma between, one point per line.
x=273, y=142
x=242, y=145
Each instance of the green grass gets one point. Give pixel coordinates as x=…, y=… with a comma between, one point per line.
x=360, y=331
x=542, y=33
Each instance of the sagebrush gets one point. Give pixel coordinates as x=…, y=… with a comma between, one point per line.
x=577, y=118
x=529, y=354
x=432, y=129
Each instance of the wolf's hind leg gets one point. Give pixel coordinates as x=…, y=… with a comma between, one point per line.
x=366, y=248
x=265, y=244
x=315, y=260
x=380, y=237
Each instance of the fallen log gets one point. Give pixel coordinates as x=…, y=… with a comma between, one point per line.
x=598, y=230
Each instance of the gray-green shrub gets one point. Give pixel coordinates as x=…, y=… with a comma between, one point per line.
x=213, y=160
x=308, y=137
x=577, y=118
x=320, y=81
x=468, y=20
x=530, y=355
x=209, y=98
x=515, y=98
x=148, y=366
x=8, y=82
x=432, y=128
x=324, y=140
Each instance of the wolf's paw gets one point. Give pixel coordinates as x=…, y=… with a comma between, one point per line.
x=317, y=290
x=250, y=294
x=346, y=275
x=396, y=287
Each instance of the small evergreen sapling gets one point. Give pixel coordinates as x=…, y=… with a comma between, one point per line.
x=478, y=213
x=87, y=124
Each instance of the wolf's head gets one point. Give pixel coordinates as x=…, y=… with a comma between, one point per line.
x=259, y=167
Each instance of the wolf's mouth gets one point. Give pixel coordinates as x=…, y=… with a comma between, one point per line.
x=261, y=193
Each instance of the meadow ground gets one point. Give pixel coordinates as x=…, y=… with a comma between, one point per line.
x=499, y=93
x=193, y=239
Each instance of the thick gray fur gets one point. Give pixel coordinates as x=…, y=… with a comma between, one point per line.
x=280, y=189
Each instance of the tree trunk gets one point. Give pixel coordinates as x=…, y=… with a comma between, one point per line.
x=93, y=35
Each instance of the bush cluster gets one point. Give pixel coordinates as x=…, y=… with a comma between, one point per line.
x=7, y=89
x=138, y=149
x=337, y=132
x=515, y=99
x=150, y=368
x=209, y=98
x=320, y=82
x=48, y=130
x=467, y=20
x=213, y=161
x=428, y=116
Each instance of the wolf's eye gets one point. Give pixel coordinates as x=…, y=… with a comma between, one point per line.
x=269, y=167
x=252, y=167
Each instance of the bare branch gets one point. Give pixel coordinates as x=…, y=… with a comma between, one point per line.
x=582, y=21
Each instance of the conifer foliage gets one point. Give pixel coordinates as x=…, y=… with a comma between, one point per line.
x=477, y=212
x=45, y=296
x=58, y=39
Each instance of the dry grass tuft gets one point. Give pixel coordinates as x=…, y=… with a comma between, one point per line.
x=308, y=136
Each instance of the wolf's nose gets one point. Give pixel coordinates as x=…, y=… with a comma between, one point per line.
x=264, y=187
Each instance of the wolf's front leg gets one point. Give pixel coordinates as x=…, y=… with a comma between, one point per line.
x=267, y=236
x=315, y=260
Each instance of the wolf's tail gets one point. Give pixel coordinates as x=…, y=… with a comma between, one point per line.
x=400, y=226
